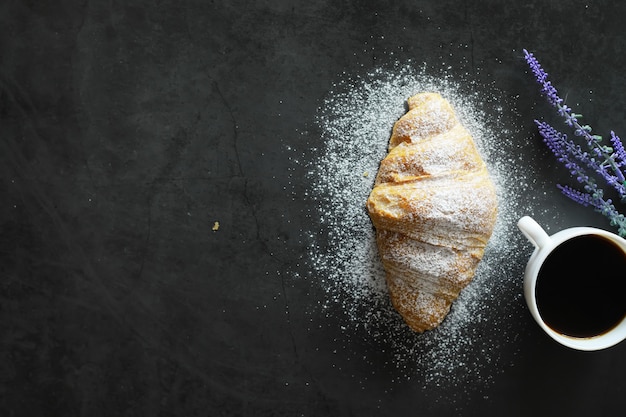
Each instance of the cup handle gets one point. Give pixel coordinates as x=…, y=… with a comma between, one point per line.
x=533, y=232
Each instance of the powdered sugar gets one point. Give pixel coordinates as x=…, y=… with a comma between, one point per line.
x=355, y=122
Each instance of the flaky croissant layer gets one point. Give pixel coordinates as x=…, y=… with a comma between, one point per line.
x=434, y=207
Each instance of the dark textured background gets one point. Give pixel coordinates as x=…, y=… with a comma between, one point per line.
x=128, y=128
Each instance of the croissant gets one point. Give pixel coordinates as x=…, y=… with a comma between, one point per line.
x=434, y=207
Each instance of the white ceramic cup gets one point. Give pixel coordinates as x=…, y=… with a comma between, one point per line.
x=544, y=245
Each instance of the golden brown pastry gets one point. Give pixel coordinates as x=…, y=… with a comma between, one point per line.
x=434, y=207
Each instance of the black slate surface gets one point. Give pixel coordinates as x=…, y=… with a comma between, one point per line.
x=128, y=128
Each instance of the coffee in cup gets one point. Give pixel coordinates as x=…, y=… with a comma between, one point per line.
x=575, y=285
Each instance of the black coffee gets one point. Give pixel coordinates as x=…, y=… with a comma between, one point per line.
x=581, y=287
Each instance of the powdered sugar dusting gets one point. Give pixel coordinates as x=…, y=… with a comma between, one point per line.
x=355, y=122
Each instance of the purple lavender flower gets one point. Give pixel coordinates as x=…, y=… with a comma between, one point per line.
x=619, y=152
x=567, y=152
x=542, y=78
x=578, y=196
x=594, y=198
x=609, y=163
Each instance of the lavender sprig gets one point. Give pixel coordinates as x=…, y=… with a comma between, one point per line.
x=607, y=162
x=619, y=152
x=594, y=198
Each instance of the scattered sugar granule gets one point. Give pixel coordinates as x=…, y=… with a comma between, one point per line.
x=355, y=122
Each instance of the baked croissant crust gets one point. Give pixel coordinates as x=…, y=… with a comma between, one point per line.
x=434, y=208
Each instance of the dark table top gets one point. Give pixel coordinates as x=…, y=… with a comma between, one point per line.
x=129, y=129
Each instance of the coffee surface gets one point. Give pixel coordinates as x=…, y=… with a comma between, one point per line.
x=581, y=287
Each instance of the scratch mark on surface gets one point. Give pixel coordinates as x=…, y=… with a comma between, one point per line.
x=146, y=245
x=235, y=127
x=240, y=170
x=286, y=303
